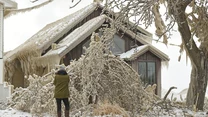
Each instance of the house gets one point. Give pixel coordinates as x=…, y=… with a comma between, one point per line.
x=64, y=39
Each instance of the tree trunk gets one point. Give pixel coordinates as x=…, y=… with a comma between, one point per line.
x=197, y=86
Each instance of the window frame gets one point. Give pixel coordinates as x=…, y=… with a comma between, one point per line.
x=154, y=81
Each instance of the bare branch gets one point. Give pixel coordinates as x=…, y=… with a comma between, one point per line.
x=75, y=4
x=166, y=95
x=33, y=1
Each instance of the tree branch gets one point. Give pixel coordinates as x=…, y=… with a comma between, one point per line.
x=75, y=4
x=187, y=2
x=183, y=27
x=166, y=95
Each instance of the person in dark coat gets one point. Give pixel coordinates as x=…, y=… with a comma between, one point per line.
x=61, y=92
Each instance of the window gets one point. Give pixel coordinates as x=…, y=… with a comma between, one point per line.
x=147, y=71
x=118, y=45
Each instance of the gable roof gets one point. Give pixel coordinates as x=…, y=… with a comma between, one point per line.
x=51, y=32
x=135, y=52
x=77, y=36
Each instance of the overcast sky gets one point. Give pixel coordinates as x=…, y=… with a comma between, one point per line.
x=19, y=28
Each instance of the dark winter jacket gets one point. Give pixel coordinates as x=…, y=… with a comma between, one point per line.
x=61, y=82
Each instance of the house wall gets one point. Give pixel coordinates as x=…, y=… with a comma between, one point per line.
x=75, y=53
x=18, y=77
x=129, y=42
x=148, y=56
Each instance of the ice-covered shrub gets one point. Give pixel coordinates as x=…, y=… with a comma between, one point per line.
x=37, y=98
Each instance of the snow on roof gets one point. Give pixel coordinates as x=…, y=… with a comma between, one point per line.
x=52, y=32
x=131, y=52
x=77, y=36
x=135, y=52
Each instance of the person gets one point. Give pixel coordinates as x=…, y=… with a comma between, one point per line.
x=61, y=92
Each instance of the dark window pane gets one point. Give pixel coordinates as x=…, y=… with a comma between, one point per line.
x=147, y=71
x=142, y=71
x=151, y=72
x=118, y=45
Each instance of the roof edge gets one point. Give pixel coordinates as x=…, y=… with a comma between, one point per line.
x=9, y=3
x=154, y=50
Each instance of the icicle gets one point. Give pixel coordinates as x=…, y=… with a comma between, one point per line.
x=16, y=11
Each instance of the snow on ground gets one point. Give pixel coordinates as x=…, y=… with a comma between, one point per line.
x=9, y=112
x=15, y=113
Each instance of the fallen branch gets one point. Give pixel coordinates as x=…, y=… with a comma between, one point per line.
x=166, y=95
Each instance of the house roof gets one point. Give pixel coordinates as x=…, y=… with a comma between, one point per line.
x=77, y=36
x=8, y=4
x=135, y=52
x=52, y=32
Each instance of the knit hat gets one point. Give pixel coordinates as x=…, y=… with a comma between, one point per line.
x=62, y=67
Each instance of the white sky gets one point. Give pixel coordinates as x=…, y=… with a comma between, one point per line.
x=19, y=28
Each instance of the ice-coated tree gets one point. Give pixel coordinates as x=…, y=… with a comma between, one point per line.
x=191, y=18
x=94, y=74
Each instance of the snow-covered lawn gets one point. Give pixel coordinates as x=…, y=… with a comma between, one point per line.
x=13, y=113
x=178, y=113
x=16, y=113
